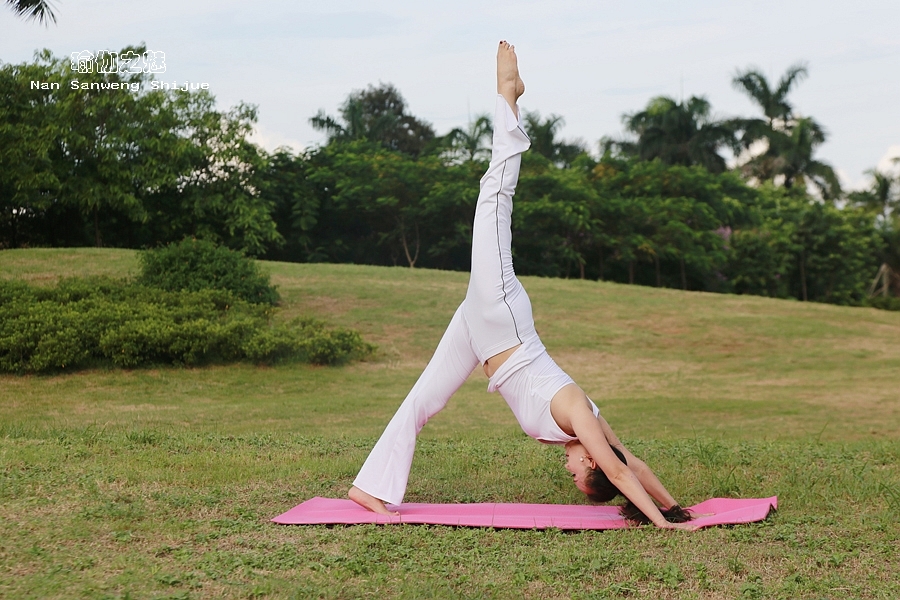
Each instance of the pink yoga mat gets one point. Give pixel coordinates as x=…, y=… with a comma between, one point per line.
x=330, y=511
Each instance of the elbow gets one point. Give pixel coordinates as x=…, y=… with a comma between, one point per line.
x=621, y=475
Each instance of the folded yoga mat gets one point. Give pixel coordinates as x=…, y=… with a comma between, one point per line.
x=329, y=511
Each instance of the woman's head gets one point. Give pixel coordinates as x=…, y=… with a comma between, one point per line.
x=589, y=478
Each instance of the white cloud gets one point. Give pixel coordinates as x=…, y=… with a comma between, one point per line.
x=849, y=184
x=270, y=140
x=890, y=162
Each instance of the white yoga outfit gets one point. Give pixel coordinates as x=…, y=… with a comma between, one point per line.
x=495, y=316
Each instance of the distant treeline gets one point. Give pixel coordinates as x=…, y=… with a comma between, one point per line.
x=147, y=167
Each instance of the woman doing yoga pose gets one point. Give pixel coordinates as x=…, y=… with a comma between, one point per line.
x=494, y=327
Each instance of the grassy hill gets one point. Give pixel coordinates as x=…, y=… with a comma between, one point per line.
x=159, y=482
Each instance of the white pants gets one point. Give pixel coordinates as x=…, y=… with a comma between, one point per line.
x=495, y=316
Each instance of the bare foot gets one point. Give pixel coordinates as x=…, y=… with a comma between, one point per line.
x=369, y=502
x=509, y=84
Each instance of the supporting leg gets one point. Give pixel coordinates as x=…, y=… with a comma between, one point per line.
x=384, y=475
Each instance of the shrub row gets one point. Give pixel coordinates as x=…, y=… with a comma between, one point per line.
x=885, y=302
x=99, y=321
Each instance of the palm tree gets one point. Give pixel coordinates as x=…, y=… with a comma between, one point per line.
x=677, y=133
x=543, y=139
x=797, y=163
x=352, y=128
x=470, y=142
x=773, y=102
x=790, y=140
x=33, y=9
x=883, y=197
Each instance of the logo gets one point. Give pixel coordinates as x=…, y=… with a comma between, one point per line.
x=124, y=63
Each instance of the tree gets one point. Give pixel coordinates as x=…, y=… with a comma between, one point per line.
x=773, y=102
x=28, y=130
x=796, y=158
x=473, y=142
x=687, y=231
x=882, y=200
x=790, y=141
x=387, y=189
x=554, y=221
x=216, y=189
x=802, y=248
x=96, y=157
x=285, y=185
x=102, y=166
x=38, y=10
x=377, y=114
x=677, y=133
x=544, y=141
x=883, y=197
x=674, y=216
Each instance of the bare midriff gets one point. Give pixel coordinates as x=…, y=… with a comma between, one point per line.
x=496, y=361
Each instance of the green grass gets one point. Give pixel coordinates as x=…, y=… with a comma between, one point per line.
x=159, y=483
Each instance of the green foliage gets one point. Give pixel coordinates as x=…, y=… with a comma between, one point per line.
x=38, y=10
x=377, y=114
x=884, y=302
x=677, y=133
x=195, y=265
x=790, y=140
x=542, y=133
x=555, y=222
x=380, y=206
x=120, y=164
x=675, y=217
x=138, y=167
x=94, y=322
x=804, y=249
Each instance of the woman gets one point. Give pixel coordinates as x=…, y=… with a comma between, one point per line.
x=494, y=327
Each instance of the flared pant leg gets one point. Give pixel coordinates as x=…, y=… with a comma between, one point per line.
x=386, y=470
x=497, y=309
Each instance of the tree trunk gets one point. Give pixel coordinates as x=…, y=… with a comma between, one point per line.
x=410, y=259
x=97, y=240
x=830, y=287
x=581, y=268
x=803, y=274
x=601, y=265
x=631, y=271
x=656, y=264
x=14, y=229
x=683, y=274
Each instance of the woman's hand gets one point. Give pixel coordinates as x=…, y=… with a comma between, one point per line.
x=682, y=526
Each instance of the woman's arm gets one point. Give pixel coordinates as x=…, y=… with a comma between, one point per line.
x=572, y=412
x=651, y=484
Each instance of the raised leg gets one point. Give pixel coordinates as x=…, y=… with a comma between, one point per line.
x=497, y=308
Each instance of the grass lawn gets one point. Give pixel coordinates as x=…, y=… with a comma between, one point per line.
x=159, y=483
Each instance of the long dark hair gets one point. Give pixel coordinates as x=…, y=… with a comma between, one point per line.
x=603, y=490
x=675, y=514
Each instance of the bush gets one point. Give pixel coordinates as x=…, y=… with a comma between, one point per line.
x=885, y=302
x=195, y=265
x=95, y=322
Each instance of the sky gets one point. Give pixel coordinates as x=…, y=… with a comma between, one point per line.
x=588, y=61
